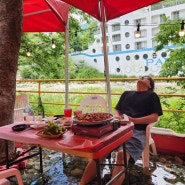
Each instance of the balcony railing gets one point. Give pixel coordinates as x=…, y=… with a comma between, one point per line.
x=57, y=88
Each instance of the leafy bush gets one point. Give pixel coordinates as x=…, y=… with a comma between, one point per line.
x=27, y=73
x=88, y=72
x=173, y=120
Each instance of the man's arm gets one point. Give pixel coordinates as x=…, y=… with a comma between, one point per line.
x=144, y=120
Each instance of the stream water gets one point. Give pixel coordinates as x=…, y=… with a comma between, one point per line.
x=62, y=169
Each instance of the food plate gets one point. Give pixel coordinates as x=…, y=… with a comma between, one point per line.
x=58, y=116
x=51, y=118
x=38, y=125
x=19, y=127
x=40, y=133
x=92, y=118
x=66, y=121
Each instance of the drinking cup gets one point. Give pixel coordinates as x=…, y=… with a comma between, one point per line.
x=77, y=112
x=38, y=118
x=29, y=118
x=67, y=112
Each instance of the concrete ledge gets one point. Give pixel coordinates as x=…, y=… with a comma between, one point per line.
x=164, y=131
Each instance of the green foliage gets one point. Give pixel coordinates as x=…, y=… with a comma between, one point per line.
x=82, y=37
x=173, y=120
x=117, y=76
x=88, y=72
x=46, y=62
x=26, y=72
x=169, y=35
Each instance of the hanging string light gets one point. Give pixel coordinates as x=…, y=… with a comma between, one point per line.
x=28, y=53
x=138, y=31
x=182, y=31
x=76, y=33
x=53, y=46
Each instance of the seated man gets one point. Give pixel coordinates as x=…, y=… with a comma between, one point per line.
x=142, y=107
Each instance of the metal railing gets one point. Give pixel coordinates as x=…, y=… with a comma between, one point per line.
x=36, y=87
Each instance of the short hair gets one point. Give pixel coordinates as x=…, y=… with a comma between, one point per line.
x=152, y=84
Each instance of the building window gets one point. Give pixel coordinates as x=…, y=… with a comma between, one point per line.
x=117, y=59
x=118, y=69
x=136, y=57
x=154, y=31
x=93, y=50
x=127, y=46
x=117, y=47
x=95, y=60
x=103, y=49
x=138, y=45
x=163, y=54
x=154, y=43
x=126, y=22
x=154, y=55
x=98, y=40
x=161, y=18
x=175, y=15
x=115, y=27
x=127, y=57
x=116, y=38
x=107, y=39
x=137, y=21
x=145, y=56
x=106, y=29
x=127, y=34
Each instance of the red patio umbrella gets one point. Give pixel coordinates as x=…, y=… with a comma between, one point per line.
x=105, y=10
x=48, y=16
x=39, y=16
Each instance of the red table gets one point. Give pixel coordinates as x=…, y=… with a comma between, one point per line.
x=82, y=146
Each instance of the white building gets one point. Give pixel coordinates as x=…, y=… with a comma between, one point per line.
x=127, y=54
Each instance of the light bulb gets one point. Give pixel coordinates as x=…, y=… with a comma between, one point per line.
x=137, y=34
x=53, y=46
x=28, y=54
x=181, y=33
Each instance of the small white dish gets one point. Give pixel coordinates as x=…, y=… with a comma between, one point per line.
x=37, y=124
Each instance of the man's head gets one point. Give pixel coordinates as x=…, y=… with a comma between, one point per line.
x=147, y=82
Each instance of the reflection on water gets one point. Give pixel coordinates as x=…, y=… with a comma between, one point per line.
x=169, y=173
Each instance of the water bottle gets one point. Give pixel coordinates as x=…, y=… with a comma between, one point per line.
x=25, y=111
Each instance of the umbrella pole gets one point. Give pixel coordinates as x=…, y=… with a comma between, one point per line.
x=66, y=66
x=106, y=63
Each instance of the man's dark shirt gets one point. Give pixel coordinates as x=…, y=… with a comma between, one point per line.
x=138, y=104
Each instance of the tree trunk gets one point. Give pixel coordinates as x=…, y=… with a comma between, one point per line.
x=10, y=32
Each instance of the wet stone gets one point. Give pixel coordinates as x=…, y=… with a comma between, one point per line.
x=179, y=160
x=162, y=159
x=64, y=169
